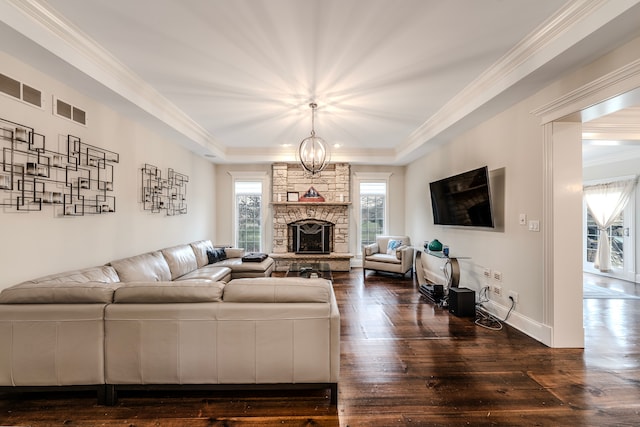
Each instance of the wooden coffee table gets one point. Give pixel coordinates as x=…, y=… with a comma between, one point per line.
x=310, y=270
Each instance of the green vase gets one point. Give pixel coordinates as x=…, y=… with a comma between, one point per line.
x=435, y=245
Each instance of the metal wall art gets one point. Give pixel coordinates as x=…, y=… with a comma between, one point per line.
x=168, y=194
x=77, y=180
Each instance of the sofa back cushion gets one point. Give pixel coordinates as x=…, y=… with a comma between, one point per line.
x=278, y=289
x=181, y=260
x=59, y=293
x=200, y=251
x=102, y=274
x=149, y=267
x=187, y=291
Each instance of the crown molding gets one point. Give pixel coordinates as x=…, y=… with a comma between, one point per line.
x=44, y=26
x=614, y=83
x=342, y=155
x=575, y=21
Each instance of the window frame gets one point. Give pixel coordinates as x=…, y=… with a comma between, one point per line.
x=244, y=176
x=373, y=177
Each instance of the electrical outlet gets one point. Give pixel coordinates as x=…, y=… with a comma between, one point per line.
x=514, y=295
x=487, y=273
x=497, y=290
x=497, y=276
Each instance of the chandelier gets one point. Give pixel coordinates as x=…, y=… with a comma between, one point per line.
x=313, y=151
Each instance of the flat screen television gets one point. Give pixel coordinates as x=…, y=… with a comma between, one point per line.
x=463, y=199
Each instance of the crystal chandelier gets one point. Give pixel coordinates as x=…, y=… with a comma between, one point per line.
x=313, y=151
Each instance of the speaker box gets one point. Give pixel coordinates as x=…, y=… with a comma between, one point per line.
x=432, y=292
x=462, y=302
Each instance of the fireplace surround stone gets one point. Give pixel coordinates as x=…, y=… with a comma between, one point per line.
x=333, y=184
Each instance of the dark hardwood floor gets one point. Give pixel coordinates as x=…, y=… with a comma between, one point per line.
x=406, y=362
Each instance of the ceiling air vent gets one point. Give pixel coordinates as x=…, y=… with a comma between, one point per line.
x=70, y=112
x=21, y=91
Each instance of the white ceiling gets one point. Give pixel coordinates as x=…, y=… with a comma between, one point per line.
x=232, y=79
x=611, y=138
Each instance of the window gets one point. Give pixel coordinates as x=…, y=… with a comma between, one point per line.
x=605, y=197
x=373, y=199
x=616, y=232
x=371, y=196
x=248, y=202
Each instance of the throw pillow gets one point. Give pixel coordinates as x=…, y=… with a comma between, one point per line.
x=222, y=255
x=392, y=246
x=212, y=255
x=215, y=255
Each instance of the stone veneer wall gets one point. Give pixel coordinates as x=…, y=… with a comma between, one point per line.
x=333, y=184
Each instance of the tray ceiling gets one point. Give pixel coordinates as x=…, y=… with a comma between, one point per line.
x=232, y=79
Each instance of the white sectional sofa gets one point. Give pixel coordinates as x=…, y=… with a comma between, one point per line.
x=153, y=320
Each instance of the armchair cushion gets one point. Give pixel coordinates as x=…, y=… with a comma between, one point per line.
x=386, y=258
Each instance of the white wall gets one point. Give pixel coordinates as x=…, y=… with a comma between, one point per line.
x=513, y=151
x=39, y=243
x=512, y=140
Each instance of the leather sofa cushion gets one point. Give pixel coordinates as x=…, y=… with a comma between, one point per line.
x=181, y=260
x=59, y=293
x=200, y=251
x=234, y=252
x=185, y=291
x=278, y=289
x=209, y=272
x=149, y=267
x=103, y=274
x=238, y=266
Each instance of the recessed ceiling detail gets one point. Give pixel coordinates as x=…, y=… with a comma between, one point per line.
x=234, y=79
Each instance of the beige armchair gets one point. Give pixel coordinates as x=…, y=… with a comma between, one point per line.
x=394, y=258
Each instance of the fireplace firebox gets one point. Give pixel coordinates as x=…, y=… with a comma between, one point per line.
x=310, y=236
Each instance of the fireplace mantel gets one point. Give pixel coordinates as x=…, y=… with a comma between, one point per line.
x=311, y=203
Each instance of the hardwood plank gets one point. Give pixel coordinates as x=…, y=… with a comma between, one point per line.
x=405, y=362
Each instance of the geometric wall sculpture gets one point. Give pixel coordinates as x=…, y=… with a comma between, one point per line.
x=76, y=180
x=164, y=194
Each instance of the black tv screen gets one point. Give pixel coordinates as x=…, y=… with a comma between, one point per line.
x=463, y=199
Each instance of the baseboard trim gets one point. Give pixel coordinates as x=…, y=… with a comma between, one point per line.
x=524, y=324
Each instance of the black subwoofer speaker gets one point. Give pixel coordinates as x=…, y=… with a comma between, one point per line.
x=462, y=302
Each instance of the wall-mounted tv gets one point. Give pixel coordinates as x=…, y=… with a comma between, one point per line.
x=463, y=199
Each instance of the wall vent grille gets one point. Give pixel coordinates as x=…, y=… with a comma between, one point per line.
x=20, y=91
x=68, y=111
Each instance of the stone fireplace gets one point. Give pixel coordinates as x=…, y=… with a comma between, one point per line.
x=315, y=230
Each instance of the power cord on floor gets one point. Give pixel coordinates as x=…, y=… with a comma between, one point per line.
x=487, y=320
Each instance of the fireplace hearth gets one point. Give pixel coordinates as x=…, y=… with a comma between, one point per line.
x=310, y=236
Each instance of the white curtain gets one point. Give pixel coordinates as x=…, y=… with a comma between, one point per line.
x=605, y=202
